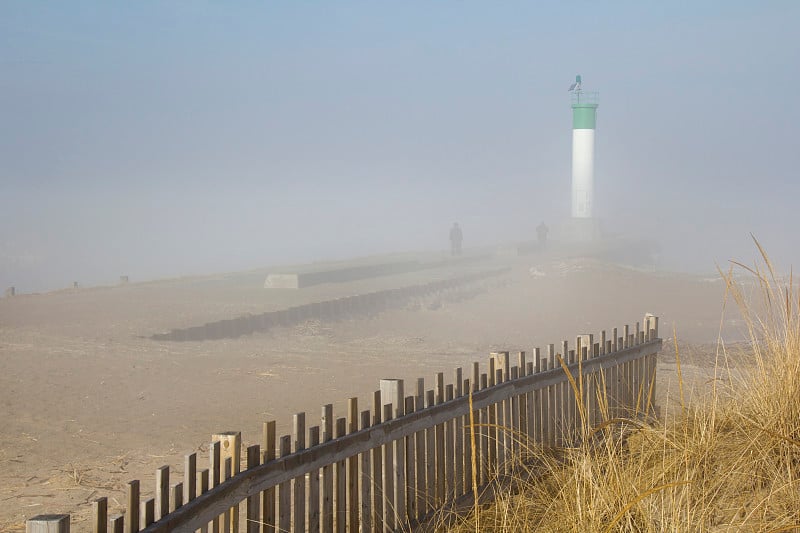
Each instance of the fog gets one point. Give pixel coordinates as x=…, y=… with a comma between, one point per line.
x=161, y=139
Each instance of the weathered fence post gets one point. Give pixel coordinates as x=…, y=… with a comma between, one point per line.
x=231, y=447
x=392, y=392
x=340, y=482
x=326, y=522
x=148, y=512
x=314, y=485
x=458, y=436
x=439, y=444
x=299, y=483
x=162, y=492
x=132, y=497
x=536, y=399
x=449, y=447
x=285, y=489
x=117, y=523
x=269, y=451
x=377, y=466
x=365, y=482
x=253, y=502
x=522, y=407
x=100, y=515
x=389, y=509
x=352, y=470
x=551, y=409
x=48, y=523
x=411, y=463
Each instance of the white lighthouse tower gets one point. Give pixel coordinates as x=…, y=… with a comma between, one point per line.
x=584, y=120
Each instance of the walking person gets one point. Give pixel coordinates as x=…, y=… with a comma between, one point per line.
x=541, y=233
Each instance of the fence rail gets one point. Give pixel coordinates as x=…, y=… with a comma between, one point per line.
x=391, y=467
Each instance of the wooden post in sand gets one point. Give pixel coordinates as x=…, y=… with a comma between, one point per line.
x=48, y=523
x=100, y=515
x=231, y=447
x=392, y=392
x=299, y=483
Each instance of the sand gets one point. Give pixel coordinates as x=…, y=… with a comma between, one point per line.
x=89, y=402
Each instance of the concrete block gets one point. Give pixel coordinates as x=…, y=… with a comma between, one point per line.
x=298, y=280
x=282, y=281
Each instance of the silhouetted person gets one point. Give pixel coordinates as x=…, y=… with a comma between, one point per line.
x=541, y=233
x=455, y=239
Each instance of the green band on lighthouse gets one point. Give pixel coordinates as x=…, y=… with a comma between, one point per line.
x=584, y=116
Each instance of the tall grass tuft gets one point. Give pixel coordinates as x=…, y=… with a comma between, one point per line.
x=728, y=460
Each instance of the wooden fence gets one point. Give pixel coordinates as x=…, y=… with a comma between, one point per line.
x=393, y=466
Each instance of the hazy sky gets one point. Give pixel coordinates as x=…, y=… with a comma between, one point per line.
x=165, y=138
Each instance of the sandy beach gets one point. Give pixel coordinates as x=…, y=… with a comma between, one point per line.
x=90, y=402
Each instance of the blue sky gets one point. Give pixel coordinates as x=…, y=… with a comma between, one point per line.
x=165, y=138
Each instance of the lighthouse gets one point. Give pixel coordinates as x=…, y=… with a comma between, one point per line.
x=584, y=120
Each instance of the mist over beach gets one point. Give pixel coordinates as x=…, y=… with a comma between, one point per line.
x=162, y=140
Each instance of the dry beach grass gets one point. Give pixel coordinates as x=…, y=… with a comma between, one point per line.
x=728, y=459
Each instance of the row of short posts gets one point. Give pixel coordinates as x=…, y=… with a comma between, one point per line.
x=337, y=308
x=12, y=291
x=245, y=325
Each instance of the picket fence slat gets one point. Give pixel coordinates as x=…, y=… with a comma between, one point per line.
x=313, y=485
x=189, y=477
x=132, y=513
x=377, y=466
x=268, y=496
x=352, y=470
x=458, y=436
x=299, y=483
x=117, y=523
x=340, y=483
x=100, y=515
x=285, y=488
x=253, y=506
x=213, y=459
x=203, y=490
x=365, y=482
x=327, y=472
x=409, y=443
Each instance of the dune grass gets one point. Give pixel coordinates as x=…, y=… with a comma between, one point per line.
x=728, y=460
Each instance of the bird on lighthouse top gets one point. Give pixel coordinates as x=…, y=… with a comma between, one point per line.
x=577, y=85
